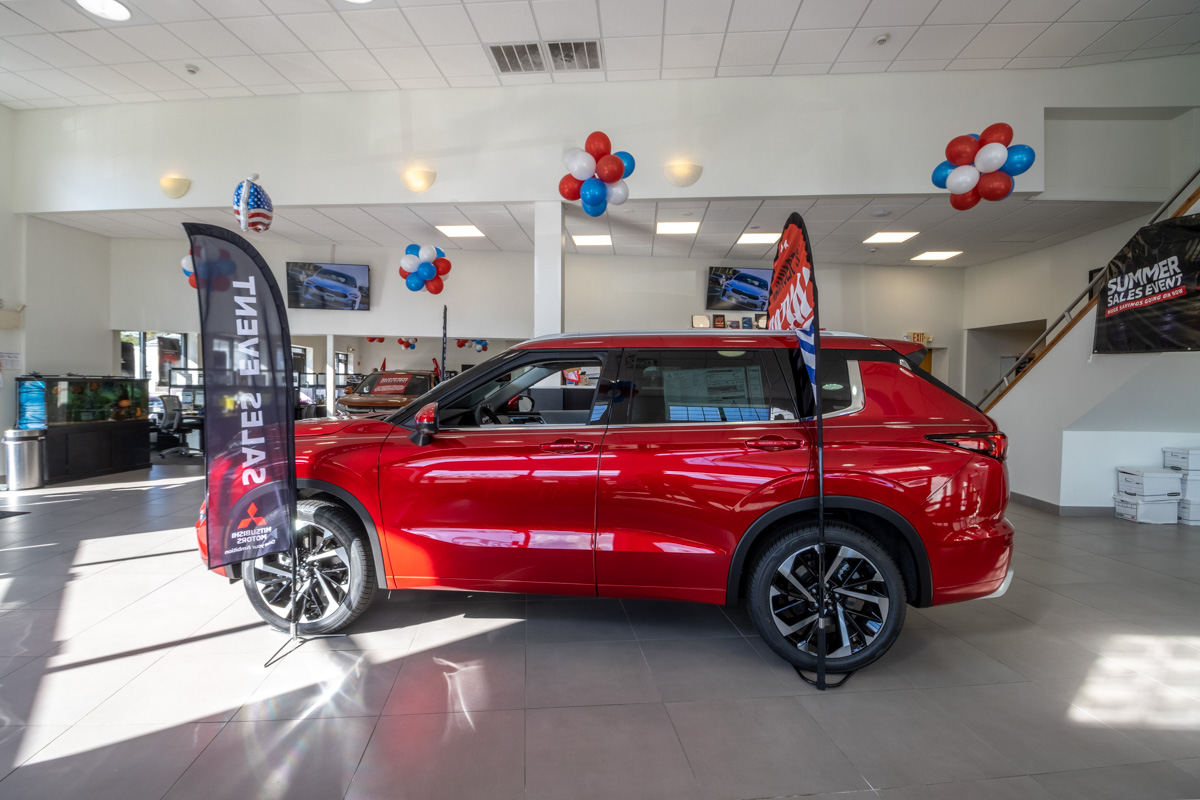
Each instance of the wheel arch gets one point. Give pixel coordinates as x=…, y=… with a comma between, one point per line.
x=310, y=489
x=894, y=532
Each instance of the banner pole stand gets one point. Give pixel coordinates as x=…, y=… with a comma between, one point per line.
x=295, y=640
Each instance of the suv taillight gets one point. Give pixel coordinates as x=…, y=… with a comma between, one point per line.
x=988, y=444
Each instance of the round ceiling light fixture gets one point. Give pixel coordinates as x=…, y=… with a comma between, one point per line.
x=105, y=9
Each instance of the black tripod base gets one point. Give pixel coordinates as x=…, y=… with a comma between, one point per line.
x=816, y=683
x=294, y=643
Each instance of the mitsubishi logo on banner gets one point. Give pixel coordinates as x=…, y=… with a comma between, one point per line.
x=251, y=519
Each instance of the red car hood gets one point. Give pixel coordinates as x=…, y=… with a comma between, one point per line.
x=330, y=425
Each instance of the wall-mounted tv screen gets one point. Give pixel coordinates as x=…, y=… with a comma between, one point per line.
x=736, y=289
x=345, y=287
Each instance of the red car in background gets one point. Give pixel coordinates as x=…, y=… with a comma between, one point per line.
x=384, y=391
x=690, y=476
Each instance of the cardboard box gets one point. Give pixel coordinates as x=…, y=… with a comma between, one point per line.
x=1149, y=482
x=1154, y=512
x=1191, y=485
x=1181, y=457
x=1189, y=512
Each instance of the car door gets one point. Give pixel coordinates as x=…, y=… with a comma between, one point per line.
x=704, y=442
x=500, y=507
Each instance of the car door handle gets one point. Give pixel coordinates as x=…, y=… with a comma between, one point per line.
x=567, y=446
x=773, y=443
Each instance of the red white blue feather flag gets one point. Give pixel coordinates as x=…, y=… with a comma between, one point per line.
x=252, y=205
x=792, y=304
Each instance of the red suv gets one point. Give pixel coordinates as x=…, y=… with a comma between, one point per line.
x=684, y=471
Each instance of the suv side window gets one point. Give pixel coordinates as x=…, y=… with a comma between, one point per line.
x=836, y=392
x=689, y=386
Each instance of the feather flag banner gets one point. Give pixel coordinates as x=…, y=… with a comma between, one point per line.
x=792, y=303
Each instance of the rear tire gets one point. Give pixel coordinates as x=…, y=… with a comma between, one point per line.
x=336, y=574
x=864, y=589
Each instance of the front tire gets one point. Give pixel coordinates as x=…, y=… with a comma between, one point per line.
x=865, y=597
x=336, y=575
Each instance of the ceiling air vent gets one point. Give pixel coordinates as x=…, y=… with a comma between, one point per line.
x=575, y=56
x=514, y=59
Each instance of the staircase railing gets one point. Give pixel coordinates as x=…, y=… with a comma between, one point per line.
x=1070, y=317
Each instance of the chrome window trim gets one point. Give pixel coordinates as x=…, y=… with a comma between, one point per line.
x=677, y=425
x=510, y=428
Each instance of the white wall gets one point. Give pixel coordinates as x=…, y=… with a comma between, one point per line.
x=810, y=135
x=12, y=290
x=1090, y=459
x=985, y=348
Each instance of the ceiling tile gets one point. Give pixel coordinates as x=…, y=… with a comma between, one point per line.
x=382, y=27
x=151, y=76
x=234, y=8
x=861, y=45
x=322, y=31
x=13, y=24
x=300, y=67
x=461, y=60
x=625, y=75
x=858, y=66
x=328, y=86
x=691, y=50
x=209, y=76
x=102, y=46
x=696, y=16
x=829, y=13
x=763, y=15
x=1099, y=58
x=578, y=77
x=1036, y=63
x=566, y=19
x=526, y=80
x=188, y=94
x=745, y=49
x=170, y=10
x=977, y=63
x=1034, y=10
x=297, y=6
x=282, y=88
x=408, y=63
x=504, y=22
x=939, y=42
x=437, y=25
x=93, y=99
x=1186, y=32
x=922, y=65
x=745, y=72
x=22, y=89
x=1102, y=10
x=250, y=70
x=1002, y=41
x=155, y=41
x=228, y=91
x=209, y=38
x=472, y=82
x=631, y=18
x=265, y=35
x=1165, y=8
x=638, y=52
x=353, y=65
x=54, y=16
x=890, y=13
x=53, y=50
x=104, y=79
x=1065, y=39
x=15, y=59
x=964, y=12
x=1130, y=35
x=1155, y=52
x=136, y=97
x=421, y=83
x=677, y=73
x=801, y=69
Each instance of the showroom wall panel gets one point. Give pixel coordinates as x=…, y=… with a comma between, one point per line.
x=12, y=290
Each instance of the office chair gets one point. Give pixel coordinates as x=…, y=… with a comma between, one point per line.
x=173, y=424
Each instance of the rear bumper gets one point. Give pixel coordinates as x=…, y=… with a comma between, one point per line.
x=1003, y=587
x=975, y=562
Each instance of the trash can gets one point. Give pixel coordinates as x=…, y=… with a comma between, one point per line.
x=23, y=455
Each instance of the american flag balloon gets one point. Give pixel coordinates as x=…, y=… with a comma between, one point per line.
x=252, y=205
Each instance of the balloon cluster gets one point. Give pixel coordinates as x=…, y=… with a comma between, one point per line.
x=424, y=268
x=982, y=166
x=209, y=274
x=375, y=339
x=408, y=344
x=251, y=205
x=480, y=345
x=595, y=175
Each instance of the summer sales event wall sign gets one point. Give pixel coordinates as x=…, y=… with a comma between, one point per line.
x=1149, y=301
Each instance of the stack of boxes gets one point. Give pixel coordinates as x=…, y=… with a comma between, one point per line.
x=1186, y=463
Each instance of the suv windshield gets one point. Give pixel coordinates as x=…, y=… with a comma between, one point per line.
x=340, y=277
x=393, y=383
x=752, y=280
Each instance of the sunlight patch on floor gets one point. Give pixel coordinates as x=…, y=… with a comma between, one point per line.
x=1149, y=698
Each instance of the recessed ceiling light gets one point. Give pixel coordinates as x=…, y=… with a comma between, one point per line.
x=678, y=227
x=936, y=255
x=105, y=9
x=459, y=231
x=360, y=2
x=890, y=237
x=596, y=240
x=758, y=238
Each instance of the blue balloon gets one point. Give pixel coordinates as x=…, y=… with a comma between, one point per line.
x=415, y=282
x=440, y=252
x=595, y=210
x=941, y=172
x=593, y=192
x=187, y=274
x=627, y=160
x=1020, y=159
x=225, y=266
x=206, y=270
x=427, y=271
x=412, y=250
x=974, y=136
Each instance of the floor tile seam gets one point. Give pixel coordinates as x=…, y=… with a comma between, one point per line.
x=197, y=757
x=13, y=771
x=686, y=758
x=1184, y=610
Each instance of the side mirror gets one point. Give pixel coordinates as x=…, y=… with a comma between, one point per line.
x=521, y=404
x=427, y=425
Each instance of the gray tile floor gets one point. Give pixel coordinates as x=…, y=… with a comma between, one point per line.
x=127, y=671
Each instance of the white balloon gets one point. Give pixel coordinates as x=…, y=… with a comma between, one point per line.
x=991, y=157
x=962, y=179
x=582, y=166
x=617, y=193
x=409, y=262
x=427, y=253
x=478, y=348
x=187, y=263
x=570, y=156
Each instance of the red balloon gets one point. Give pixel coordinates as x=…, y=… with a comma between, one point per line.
x=461, y=343
x=485, y=348
x=442, y=265
x=220, y=283
x=994, y=185
x=598, y=146
x=568, y=187
x=610, y=169
x=999, y=132
x=961, y=150
x=403, y=274
x=966, y=200
x=192, y=280
x=434, y=285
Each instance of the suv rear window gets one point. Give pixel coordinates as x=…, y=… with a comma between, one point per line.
x=689, y=386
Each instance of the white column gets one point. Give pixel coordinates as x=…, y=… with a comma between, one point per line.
x=548, y=239
x=330, y=391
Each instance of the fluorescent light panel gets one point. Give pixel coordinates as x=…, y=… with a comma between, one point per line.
x=890, y=237
x=936, y=255
x=105, y=9
x=459, y=231
x=594, y=240
x=677, y=227
x=758, y=238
